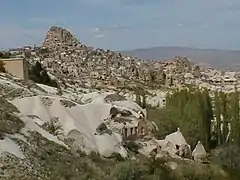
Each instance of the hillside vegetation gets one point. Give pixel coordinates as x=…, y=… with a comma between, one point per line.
x=44, y=157
x=193, y=111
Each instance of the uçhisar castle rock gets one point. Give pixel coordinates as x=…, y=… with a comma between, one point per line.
x=59, y=39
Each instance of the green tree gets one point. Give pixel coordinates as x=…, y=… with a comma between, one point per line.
x=191, y=109
x=206, y=112
x=235, y=124
x=39, y=75
x=218, y=116
x=144, y=101
x=5, y=55
x=138, y=99
x=225, y=114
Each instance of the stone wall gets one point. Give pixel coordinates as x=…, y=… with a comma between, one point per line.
x=17, y=67
x=142, y=129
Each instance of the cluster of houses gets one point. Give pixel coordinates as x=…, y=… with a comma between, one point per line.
x=67, y=58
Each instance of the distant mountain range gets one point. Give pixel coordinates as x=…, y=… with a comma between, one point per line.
x=224, y=59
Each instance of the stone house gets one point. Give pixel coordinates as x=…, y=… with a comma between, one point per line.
x=17, y=67
x=230, y=77
x=143, y=128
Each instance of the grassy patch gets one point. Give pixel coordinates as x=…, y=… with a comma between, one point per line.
x=114, y=97
x=7, y=106
x=9, y=123
x=51, y=161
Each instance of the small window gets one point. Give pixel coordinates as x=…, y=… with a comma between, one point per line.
x=125, y=132
x=136, y=130
x=142, y=131
x=131, y=131
x=177, y=147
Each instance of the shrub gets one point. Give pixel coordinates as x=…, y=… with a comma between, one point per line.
x=7, y=106
x=2, y=68
x=128, y=170
x=228, y=157
x=131, y=146
x=5, y=55
x=200, y=172
x=114, y=97
x=67, y=103
x=9, y=123
x=53, y=126
x=39, y=74
x=143, y=169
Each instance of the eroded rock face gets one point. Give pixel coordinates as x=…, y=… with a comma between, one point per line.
x=58, y=38
x=185, y=151
x=199, y=153
x=102, y=128
x=95, y=125
x=196, y=72
x=174, y=145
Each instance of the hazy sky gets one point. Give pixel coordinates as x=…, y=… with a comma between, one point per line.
x=124, y=24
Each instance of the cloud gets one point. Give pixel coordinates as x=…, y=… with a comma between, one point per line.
x=140, y=3
x=227, y=5
x=234, y=8
x=126, y=3
x=180, y=25
x=112, y=28
x=103, y=32
x=98, y=33
x=116, y=5
x=206, y=26
x=99, y=36
x=96, y=30
x=44, y=20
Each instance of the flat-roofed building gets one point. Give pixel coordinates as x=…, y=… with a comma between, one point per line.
x=17, y=67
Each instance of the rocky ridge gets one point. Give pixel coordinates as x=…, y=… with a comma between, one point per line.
x=67, y=57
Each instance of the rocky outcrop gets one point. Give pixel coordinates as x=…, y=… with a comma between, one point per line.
x=185, y=151
x=175, y=145
x=59, y=39
x=66, y=58
x=199, y=153
x=102, y=128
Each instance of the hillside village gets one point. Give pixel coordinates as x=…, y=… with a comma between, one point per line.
x=94, y=102
x=65, y=57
